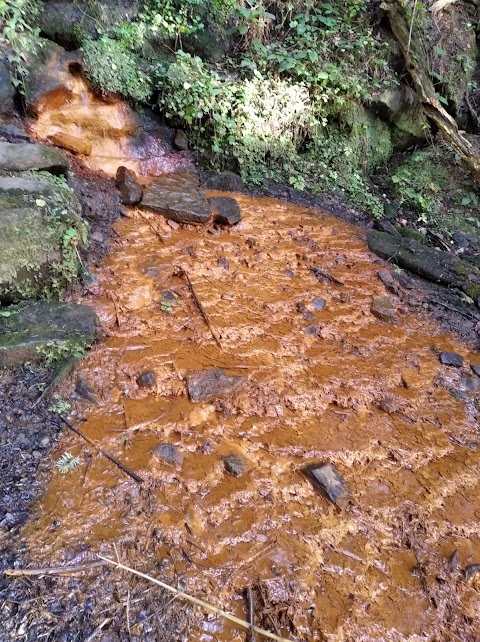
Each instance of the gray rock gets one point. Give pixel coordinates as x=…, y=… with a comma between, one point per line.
x=312, y=330
x=179, y=197
x=205, y=384
x=181, y=141
x=85, y=390
x=34, y=326
x=476, y=369
x=35, y=258
x=225, y=210
x=386, y=278
x=14, y=134
x=319, y=303
x=169, y=453
x=330, y=482
x=383, y=308
x=18, y=157
x=235, y=465
x=130, y=189
x=223, y=263
x=224, y=182
x=388, y=405
x=451, y=359
x=470, y=384
x=147, y=379
x=7, y=91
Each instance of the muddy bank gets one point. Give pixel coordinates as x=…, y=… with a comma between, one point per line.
x=324, y=382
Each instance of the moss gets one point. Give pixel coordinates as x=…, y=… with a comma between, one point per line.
x=412, y=234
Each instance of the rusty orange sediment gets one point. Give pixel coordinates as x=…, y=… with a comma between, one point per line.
x=369, y=571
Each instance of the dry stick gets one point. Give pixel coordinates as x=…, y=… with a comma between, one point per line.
x=250, y=615
x=200, y=307
x=100, y=450
x=53, y=570
x=98, y=629
x=157, y=234
x=195, y=600
x=144, y=424
x=318, y=272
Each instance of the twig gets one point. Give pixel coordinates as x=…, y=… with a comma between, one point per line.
x=317, y=273
x=251, y=637
x=195, y=600
x=157, y=234
x=103, y=452
x=53, y=570
x=144, y=424
x=64, y=370
x=93, y=635
x=201, y=309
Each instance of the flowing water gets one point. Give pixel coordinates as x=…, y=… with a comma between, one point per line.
x=375, y=568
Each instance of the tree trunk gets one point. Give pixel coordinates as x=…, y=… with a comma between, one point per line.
x=416, y=66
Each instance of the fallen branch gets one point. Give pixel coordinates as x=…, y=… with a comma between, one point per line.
x=103, y=452
x=320, y=273
x=53, y=570
x=194, y=600
x=181, y=271
x=250, y=615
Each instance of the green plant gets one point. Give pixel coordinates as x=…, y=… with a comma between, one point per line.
x=173, y=19
x=55, y=351
x=166, y=306
x=59, y=405
x=19, y=37
x=67, y=462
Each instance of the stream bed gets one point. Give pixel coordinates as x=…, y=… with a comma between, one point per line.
x=325, y=381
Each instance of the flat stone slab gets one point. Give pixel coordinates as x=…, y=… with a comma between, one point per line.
x=451, y=359
x=19, y=157
x=177, y=197
x=206, y=384
x=383, y=308
x=33, y=327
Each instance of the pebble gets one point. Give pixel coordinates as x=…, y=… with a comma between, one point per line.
x=98, y=236
x=451, y=359
x=386, y=277
x=388, y=405
x=173, y=224
x=312, y=330
x=147, y=379
x=235, y=465
x=308, y=316
x=169, y=453
x=470, y=384
x=223, y=263
x=319, y=303
x=215, y=231
x=328, y=480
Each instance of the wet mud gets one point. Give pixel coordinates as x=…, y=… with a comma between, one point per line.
x=324, y=383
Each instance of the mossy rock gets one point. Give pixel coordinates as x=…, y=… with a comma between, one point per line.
x=41, y=225
x=19, y=157
x=45, y=330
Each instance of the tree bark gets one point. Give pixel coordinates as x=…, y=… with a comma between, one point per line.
x=416, y=66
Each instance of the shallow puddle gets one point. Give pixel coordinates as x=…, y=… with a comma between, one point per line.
x=375, y=568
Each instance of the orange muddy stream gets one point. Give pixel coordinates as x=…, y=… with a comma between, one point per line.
x=376, y=569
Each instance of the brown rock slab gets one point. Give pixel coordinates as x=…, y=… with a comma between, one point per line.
x=72, y=143
x=130, y=189
x=383, y=308
x=206, y=384
x=177, y=197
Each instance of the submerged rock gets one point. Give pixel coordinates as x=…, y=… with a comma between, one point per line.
x=225, y=210
x=178, y=197
x=383, y=308
x=328, y=480
x=206, y=384
x=130, y=189
x=451, y=359
x=433, y=264
x=36, y=329
x=19, y=157
x=147, y=379
x=170, y=454
x=235, y=465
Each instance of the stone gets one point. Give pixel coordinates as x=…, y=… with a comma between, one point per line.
x=224, y=182
x=169, y=453
x=388, y=405
x=98, y=237
x=386, y=278
x=451, y=359
x=19, y=157
x=476, y=369
x=33, y=325
x=35, y=260
x=14, y=134
x=85, y=390
x=177, y=197
x=460, y=239
x=312, y=330
x=235, y=465
x=383, y=308
x=173, y=224
x=225, y=210
x=205, y=384
x=71, y=143
x=223, y=263
x=130, y=189
x=470, y=384
x=147, y=379
x=180, y=140
x=7, y=91
x=319, y=303
x=432, y=264
x=330, y=482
